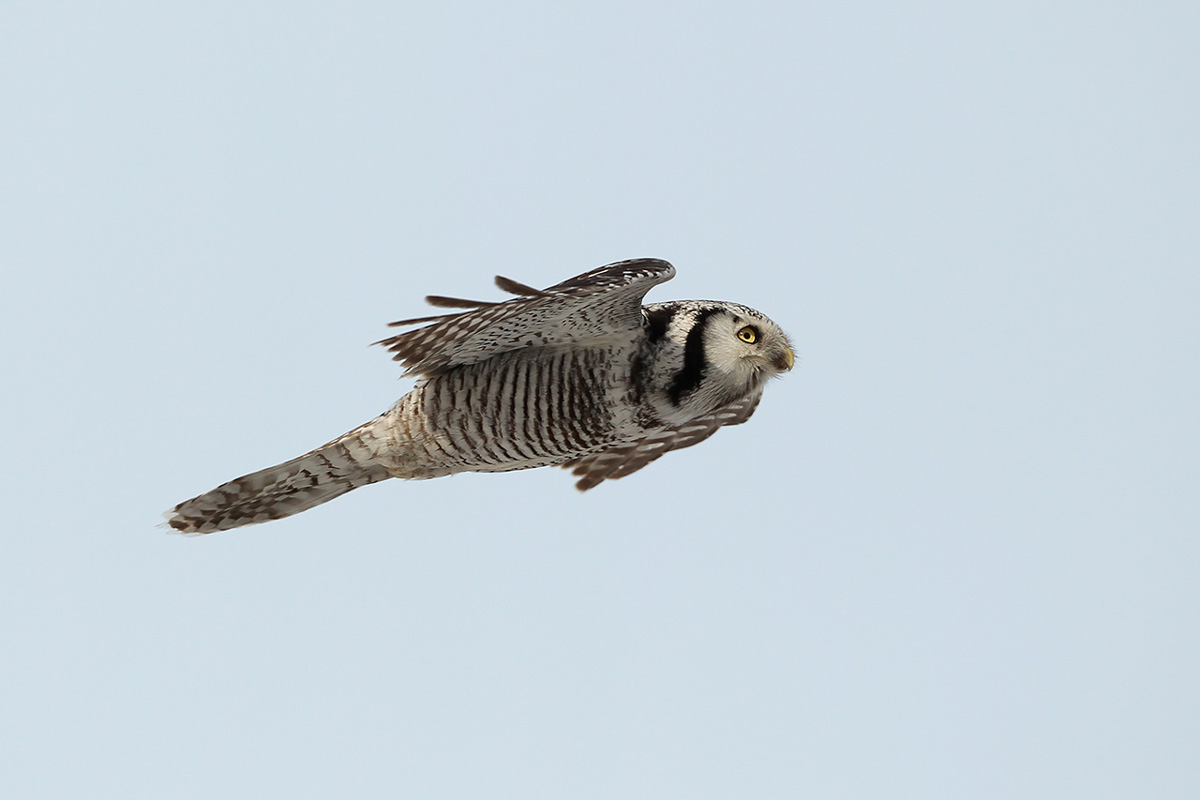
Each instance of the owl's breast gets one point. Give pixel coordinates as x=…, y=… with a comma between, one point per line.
x=526, y=408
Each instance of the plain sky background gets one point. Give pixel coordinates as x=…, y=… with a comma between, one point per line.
x=955, y=554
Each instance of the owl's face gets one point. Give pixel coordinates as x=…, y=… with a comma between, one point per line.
x=745, y=347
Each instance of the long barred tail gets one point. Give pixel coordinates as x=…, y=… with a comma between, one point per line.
x=344, y=464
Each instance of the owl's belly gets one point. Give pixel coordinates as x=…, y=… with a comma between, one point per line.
x=512, y=412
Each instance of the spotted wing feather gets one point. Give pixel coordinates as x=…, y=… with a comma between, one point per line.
x=626, y=459
x=586, y=307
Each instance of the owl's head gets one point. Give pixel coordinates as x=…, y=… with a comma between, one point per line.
x=744, y=346
x=711, y=353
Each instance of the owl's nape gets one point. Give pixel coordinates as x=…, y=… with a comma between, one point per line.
x=579, y=375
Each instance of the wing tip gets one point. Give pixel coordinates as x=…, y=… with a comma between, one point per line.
x=517, y=288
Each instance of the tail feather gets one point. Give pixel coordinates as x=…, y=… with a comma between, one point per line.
x=285, y=489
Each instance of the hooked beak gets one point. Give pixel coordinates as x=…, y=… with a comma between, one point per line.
x=784, y=361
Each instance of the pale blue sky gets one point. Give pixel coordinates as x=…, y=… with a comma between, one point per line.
x=955, y=553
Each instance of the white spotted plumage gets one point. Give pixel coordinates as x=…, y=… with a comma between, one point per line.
x=580, y=375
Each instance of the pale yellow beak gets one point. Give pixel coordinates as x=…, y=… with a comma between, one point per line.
x=786, y=361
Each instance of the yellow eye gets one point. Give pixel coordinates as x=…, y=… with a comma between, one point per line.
x=748, y=334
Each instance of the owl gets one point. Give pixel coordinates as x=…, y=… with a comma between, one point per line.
x=579, y=375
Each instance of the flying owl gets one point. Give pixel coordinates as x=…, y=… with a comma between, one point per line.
x=579, y=375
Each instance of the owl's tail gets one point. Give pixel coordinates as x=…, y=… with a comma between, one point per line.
x=344, y=464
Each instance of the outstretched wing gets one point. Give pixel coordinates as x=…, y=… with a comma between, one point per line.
x=589, y=306
x=626, y=459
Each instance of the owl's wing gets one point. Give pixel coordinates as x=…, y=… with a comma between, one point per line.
x=589, y=306
x=626, y=459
